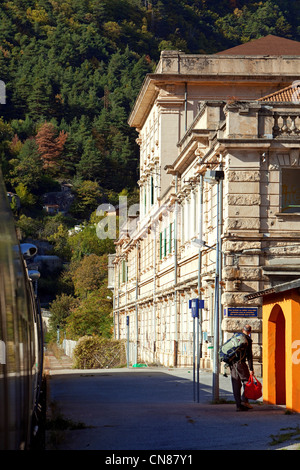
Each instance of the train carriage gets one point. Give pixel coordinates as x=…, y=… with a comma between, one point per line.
x=21, y=342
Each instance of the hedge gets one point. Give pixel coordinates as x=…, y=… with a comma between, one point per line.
x=94, y=352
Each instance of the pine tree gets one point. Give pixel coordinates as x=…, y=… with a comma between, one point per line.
x=91, y=165
x=50, y=146
x=28, y=166
x=39, y=98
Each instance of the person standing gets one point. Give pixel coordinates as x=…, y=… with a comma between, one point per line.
x=240, y=372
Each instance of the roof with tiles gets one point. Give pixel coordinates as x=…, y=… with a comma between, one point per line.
x=290, y=94
x=268, y=45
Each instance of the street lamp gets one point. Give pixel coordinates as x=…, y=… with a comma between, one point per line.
x=216, y=177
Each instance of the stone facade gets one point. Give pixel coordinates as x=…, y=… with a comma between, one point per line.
x=196, y=114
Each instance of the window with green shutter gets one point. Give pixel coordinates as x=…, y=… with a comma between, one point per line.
x=160, y=245
x=124, y=271
x=170, y=237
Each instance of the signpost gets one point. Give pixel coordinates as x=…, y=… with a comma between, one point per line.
x=195, y=305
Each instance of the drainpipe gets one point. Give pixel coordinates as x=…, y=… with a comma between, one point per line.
x=185, y=106
x=220, y=255
x=118, y=304
x=136, y=301
x=199, y=324
x=175, y=273
x=217, y=309
x=154, y=296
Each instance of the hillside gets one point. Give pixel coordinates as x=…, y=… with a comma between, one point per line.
x=78, y=65
x=72, y=70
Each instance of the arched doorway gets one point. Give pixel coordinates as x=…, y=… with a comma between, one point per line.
x=277, y=339
x=280, y=342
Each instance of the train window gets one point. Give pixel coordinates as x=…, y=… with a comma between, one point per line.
x=2, y=352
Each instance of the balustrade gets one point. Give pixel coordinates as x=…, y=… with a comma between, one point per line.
x=286, y=124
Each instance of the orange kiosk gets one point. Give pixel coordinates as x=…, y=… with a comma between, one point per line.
x=281, y=344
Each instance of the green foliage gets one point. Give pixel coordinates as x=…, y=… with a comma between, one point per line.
x=253, y=22
x=92, y=316
x=79, y=67
x=60, y=241
x=84, y=305
x=27, y=167
x=61, y=308
x=88, y=197
x=69, y=64
x=86, y=242
x=26, y=198
x=29, y=227
x=89, y=274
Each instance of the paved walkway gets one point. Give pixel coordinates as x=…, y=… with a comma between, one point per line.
x=154, y=408
x=57, y=363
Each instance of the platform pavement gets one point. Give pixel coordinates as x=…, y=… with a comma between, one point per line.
x=62, y=367
x=59, y=362
x=64, y=364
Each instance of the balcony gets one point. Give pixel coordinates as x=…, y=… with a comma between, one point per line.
x=254, y=120
x=286, y=124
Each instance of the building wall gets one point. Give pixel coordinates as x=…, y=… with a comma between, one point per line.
x=182, y=135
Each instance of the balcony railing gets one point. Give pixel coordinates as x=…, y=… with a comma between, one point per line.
x=286, y=124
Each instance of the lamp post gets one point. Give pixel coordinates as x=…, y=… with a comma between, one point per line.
x=216, y=177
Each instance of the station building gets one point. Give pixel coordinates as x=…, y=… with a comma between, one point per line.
x=219, y=212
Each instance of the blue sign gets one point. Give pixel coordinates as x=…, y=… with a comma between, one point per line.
x=127, y=320
x=245, y=312
x=195, y=305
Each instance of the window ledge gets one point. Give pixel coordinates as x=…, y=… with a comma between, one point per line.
x=287, y=214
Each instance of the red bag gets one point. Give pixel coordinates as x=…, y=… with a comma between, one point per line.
x=253, y=388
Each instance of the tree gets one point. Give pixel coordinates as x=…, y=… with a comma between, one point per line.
x=91, y=165
x=5, y=136
x=90, y=274
x=92, y=316
x=87, y=197
x=38, y=99
x=252, y=23
x=29, y=227
x=60, y=241
x=27, y=168
x=23, y=129
x=86, y=242
x=27, y=199
x=60, y=310
x=50, y=146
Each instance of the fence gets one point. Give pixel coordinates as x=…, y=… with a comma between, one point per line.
x=69, y=346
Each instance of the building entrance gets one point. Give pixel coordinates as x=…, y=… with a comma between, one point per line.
x=276, y=332
x=281, y=344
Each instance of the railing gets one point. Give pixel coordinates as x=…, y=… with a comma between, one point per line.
x=286, y=124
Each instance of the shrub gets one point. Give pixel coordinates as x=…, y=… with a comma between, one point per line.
x=93, y=352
